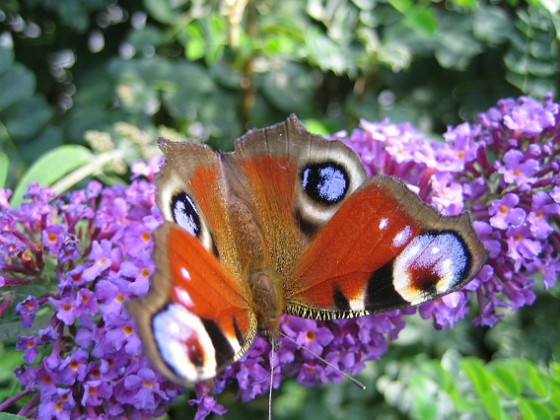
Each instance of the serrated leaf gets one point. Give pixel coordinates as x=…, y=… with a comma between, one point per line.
x=50, y=167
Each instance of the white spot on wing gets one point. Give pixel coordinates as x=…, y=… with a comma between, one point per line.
x=402, y=237
x=185, y=273
x=383, y=223
x=183, y=297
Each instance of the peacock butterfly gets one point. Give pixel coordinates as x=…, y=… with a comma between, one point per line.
x=287, y=223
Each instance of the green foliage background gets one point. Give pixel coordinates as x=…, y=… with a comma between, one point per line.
x=86, y=87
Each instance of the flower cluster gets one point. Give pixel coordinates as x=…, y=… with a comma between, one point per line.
x=88, y=252
x=506, y=171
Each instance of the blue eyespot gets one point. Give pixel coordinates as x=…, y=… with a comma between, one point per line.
x=325, y=182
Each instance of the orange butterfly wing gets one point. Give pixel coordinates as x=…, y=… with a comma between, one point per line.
x=195, y=320
x=383, y=249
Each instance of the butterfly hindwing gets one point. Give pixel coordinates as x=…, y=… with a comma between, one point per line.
x=196, y=320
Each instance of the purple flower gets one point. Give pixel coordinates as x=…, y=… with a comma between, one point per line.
x=205, y=403
x=29, y=345
x=505, y=213
x=530, y=117
x=542, y=209
x=96, y=392
x=74, y=367
x=58, y=406
x=26, y=310
x=141, y=389
x=517, y=169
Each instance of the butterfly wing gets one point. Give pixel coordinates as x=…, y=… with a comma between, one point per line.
x=383, y=249
x=197, y=317
x=266, y=171
x=195, y=320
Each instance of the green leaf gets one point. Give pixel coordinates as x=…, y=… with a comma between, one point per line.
x=6, y=58
x=315, y=126
x=421, y=20
x=423, y=401
x=488, y=397
x=455, y=45
x=289, y=88
x=538, y=381
x=164, y=11
x=195, y=45
x=492, y=25
x=555, y=371
x=4, y=163
x=467, y=4
x=534, y=410
x=27, y=118
x=183, y=99
x=8, y=416
x=504, y=380
x=145, y=39
x=17, y=83
x=51, y=167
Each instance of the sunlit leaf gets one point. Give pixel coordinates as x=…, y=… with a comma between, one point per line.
x=51, y=167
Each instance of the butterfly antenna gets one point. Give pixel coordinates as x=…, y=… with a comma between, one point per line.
x=326, y=362
x=273, y=345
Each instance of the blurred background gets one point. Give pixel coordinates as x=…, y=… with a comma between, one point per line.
x=81, y=78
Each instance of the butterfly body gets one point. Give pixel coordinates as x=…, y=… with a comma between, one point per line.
x=287, y=223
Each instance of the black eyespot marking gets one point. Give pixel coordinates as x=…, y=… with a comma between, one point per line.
x=307, y=227
x=340, y=301
x=380, y=293
x=185, y=214
x=325, y=182
x=238, y=333
x=222, y=347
